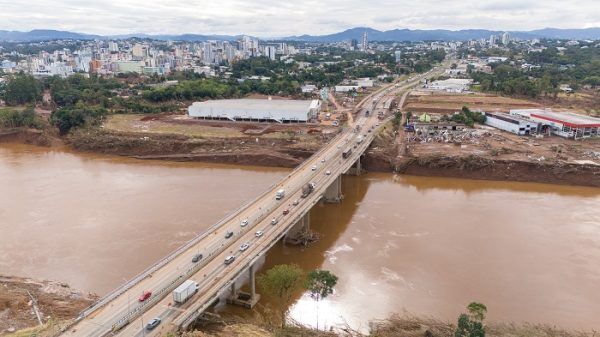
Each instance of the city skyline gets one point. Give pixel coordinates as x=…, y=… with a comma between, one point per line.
x=265, y=18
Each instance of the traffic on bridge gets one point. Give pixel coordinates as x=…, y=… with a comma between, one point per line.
x=170, y=294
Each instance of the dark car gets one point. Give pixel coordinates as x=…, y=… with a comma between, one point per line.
x=153, y=323
x=197, y=258
x=228, y=235
x=229, y=259
x=286, y=212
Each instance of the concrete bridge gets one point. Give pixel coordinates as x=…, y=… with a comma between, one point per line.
x=260, y=223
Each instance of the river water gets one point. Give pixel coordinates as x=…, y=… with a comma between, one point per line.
x=426, y=246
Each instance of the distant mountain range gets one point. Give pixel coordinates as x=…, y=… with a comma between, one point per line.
x=447, y=35
x=354, y=33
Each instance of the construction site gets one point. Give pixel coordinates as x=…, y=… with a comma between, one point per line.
x=433, y=144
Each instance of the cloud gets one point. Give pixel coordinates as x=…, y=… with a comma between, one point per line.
x=280, y=18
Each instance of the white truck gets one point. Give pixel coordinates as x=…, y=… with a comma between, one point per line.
x=185, y=291
x=280, y=194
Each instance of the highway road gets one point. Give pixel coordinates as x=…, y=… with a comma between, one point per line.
x=121, y=313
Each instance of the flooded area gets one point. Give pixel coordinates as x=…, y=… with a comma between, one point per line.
x=426, y=246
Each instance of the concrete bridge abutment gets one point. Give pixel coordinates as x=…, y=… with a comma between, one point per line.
x=333, y=193
x=356, y=168
x=242, y=298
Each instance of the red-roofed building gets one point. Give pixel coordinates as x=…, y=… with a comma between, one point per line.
x=564, y=124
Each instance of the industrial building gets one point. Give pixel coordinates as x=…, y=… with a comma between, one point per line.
x=563, y=124
x=451, y=85
x=258, y=110
x=346, y=88
x=511, y=123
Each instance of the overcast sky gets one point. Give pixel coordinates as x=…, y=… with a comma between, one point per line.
x=269, y=18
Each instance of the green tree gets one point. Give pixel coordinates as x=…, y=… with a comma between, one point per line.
x=477, y=310
x=320, y=284
x=471, y=325
x=281, y=282
x=22, y=89
x=66, y=119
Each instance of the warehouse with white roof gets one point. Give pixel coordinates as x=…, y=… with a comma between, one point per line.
x=257, y=110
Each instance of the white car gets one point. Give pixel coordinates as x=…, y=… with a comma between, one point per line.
x=229, y=259
x=314, y=168
x=323, y=160
x=274, y=222
x=328, y=173
x=244, y=223
x=244, y=246
x=258, y=234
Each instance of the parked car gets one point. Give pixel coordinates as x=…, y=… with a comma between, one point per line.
x=145, y=295
x=197, y=258
x=228, y=234
x=286, y=211
x=274, y=222
x=229, y=259
x=244, y=223
x=258, y=234
x=244, y=246
x=153, y=323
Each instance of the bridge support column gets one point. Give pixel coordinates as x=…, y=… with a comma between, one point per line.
x=299, y=232
x=356, y=168
x=244, y=299
x=333, y=193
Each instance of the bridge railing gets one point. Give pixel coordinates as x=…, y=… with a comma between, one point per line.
x=144, y=274
x=161, y=263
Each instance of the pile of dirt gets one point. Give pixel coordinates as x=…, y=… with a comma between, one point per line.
x=20, y=298
x=483, y=168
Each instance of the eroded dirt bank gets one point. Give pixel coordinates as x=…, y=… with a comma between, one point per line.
x=476, y=167
x=29, y=136
x=381, y=157
x=290, y=152
x=20, y=298
x=276, y=152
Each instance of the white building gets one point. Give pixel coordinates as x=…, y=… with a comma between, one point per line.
x=514, y=124
x=346, y=88
x=270, y=52
x=364, y=82
x=308, y=88
x=260, y=110
x=364, y=45
x=451, y=85
x=398, y=56
x=563, y=124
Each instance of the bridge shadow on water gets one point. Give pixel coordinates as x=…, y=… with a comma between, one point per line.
x=330, y=221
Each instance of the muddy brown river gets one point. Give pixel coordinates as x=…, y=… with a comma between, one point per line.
x=426, y=246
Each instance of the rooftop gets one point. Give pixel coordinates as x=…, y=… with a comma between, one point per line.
x=566, y=118
x=258, y=104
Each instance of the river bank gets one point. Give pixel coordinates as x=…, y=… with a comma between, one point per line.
x=290, y=152
x=23, y=300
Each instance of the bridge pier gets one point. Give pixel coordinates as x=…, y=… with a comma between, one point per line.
x=333, y=193
x=356, y=168
x=242, y=298
x=299, y=231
